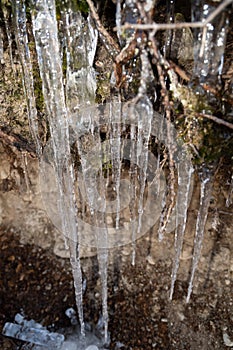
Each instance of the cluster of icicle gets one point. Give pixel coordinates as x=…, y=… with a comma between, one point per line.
x=67, y=105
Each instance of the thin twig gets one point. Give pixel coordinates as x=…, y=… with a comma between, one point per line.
x=216, y=120
x=217, y=11
x=108, y=41
x=183, y=75
x=164, y=26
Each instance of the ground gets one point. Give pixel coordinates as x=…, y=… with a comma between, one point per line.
x=39, y=284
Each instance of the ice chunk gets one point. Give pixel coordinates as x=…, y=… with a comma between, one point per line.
x=28, y=324
x=72, y=316
x=33, y=335
x=227, y=340
x=69, y=345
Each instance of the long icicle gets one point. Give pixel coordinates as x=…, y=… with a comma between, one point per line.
x=47, y=46
x=185, y=172
x=206, y=190
x=144, y=110
x=28, y=81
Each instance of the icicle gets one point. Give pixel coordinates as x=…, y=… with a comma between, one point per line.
x=158, y=172
x=130, y=14
x=209, y=43
x=118, y=20
x=103, y=270
x=206, y=190
x=169, y=33
x=144, y=111
x=28, y=81
x=9, y=36
x=144, y=130
x=102, y=249
x=229, y=197
x=81, y=41
x=162, y=218
x=1, y=47
x=89, y=148
x=102, y=243
x=25, y=173
x=115, y=142
x=91, y=157
x=47, y=47
x=133, y=188
x=184, y=175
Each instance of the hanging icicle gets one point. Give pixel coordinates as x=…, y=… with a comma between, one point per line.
x=209, y=43
x=185, y=172
x=27, y=76
x=49, y=59
x=206, y=178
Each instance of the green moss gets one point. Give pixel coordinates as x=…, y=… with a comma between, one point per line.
x=191, y=100
x=208, y=140
x=107, y=168
x=103, y=89
x=82, y=6
x=74, y=5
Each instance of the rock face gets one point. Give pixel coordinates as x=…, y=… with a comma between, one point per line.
x=22, y=208
x=21, y=205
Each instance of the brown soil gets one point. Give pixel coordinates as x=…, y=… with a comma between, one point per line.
x=39, y=284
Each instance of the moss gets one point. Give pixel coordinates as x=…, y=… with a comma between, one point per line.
x=107, y=169
x=38, y=94
x=208, y=140
x=103, y=90
x=193, y=101
x=36, y=78
x=74, y=5
x=82, y=6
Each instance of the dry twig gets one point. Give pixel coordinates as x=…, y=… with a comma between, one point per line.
x=164, y=26
x=216, y=120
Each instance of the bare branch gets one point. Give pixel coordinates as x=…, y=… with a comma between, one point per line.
x=217, y=11
x=164, y=26
x=216, y=120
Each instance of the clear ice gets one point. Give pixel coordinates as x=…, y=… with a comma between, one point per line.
x=209, y=42
x=32, y=332
x=48, y=50
x=27, y=76
x=206, y=190
x=185, y=172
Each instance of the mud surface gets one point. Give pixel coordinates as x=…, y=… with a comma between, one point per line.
x=39, y=284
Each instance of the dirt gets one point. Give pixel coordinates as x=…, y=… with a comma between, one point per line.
x=39, y=284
